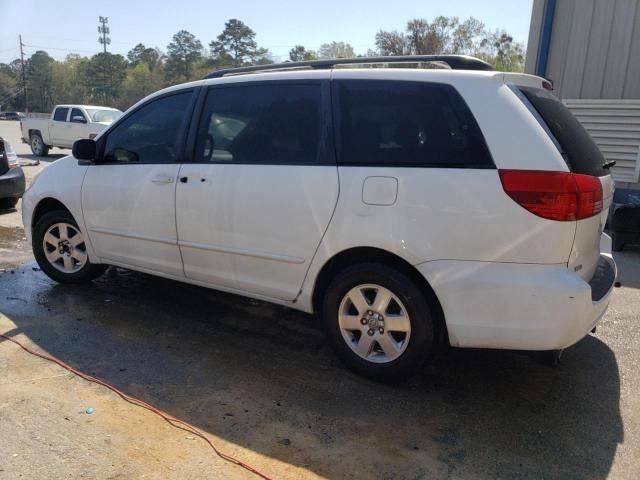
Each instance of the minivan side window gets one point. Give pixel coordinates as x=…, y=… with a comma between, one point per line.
x=272, y=123
x=151, y=134
x=60, y=114
x=406, y=124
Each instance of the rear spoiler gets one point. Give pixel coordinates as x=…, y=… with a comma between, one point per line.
x=526, y=80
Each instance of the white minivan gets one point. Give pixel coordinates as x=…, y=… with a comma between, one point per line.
x=405, y=206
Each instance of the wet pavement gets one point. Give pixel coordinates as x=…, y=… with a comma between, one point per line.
x=262, y=383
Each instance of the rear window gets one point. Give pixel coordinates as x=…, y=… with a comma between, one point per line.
x=574, y=142
x=407, y=124
x=61, y=114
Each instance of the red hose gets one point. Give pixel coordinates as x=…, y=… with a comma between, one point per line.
x=173, y=421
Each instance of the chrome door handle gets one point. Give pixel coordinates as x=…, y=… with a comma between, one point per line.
x=162, y=180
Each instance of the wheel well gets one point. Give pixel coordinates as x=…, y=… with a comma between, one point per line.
x=46, y=205
x=32, y=131
x=356, y=255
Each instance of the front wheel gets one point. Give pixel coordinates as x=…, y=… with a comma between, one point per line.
x=378, y=321
x=38, y=147
x=60, y=249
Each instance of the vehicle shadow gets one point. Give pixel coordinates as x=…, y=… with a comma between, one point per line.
x=629, y=277
x=256, y=374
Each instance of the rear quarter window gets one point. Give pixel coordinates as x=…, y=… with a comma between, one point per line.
x=406, y=124
x=578, y=149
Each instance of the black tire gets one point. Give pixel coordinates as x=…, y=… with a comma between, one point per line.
x=86, y=274
x=38, y=147
x=421, y=339
x=617, y=242
x=6, y=203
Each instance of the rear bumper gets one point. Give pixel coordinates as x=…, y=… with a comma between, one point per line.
x=12, y=183
x=520, y=306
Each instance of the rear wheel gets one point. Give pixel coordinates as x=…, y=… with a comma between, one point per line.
x=378, y=321
x=60, y=249
x=38, y=147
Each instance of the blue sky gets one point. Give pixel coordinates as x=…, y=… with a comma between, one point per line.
x=64, y=26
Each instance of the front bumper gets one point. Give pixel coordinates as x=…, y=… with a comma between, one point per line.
x=520, y=306
x=12, y=183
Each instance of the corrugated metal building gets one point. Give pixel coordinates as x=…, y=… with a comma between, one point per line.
x=591, y=51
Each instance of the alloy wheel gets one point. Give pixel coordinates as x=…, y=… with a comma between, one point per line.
x=36, y=145
x=374, y=323
x=64, y=247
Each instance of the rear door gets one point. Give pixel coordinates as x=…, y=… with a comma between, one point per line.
x=257, y=197
x=58, y=126
x=583, y=157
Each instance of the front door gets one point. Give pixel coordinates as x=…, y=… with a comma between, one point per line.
x=128, y=199
x=257, y=197
x=77, y=128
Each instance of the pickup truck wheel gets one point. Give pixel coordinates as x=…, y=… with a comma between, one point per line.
x=38, y=147
x=60, y=249
x=378, y=321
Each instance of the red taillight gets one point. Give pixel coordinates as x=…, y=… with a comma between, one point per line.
x=558, y=196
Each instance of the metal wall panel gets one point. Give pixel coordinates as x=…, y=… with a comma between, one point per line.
x=577, y=45
x=632, y=82
x=595, y=49
x=615, y=126
x=617, y=64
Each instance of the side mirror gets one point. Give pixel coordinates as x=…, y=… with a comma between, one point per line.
x=79, y=119
x=84, y=149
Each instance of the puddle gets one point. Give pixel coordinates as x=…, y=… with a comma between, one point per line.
x=14, y=248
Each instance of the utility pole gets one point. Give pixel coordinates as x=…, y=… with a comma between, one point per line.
x=103, y=30
x=24, y=77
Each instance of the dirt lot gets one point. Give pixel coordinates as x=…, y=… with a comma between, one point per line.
x=264, y=386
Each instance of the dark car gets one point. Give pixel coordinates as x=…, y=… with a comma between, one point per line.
x=12, y=182
x=12, y=116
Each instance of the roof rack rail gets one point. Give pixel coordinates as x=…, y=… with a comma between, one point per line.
x=454, y=62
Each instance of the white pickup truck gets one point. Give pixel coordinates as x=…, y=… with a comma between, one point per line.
x=67, y=124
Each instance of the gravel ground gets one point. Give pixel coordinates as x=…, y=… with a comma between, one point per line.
x=262, y=383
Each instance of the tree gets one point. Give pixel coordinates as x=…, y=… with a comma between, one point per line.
x=11, y=94
x=335, y=50
x=182, y=53
x=465, y=36
x=102, y=76
x=300, y=54
x=392, y=43
x=140, y=53
x=499, y=49
x=237, y=45
x=137, y=85
x=440, y=36
x=39, y=82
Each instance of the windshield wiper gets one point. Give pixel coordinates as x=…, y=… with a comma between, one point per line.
x=609, y=164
